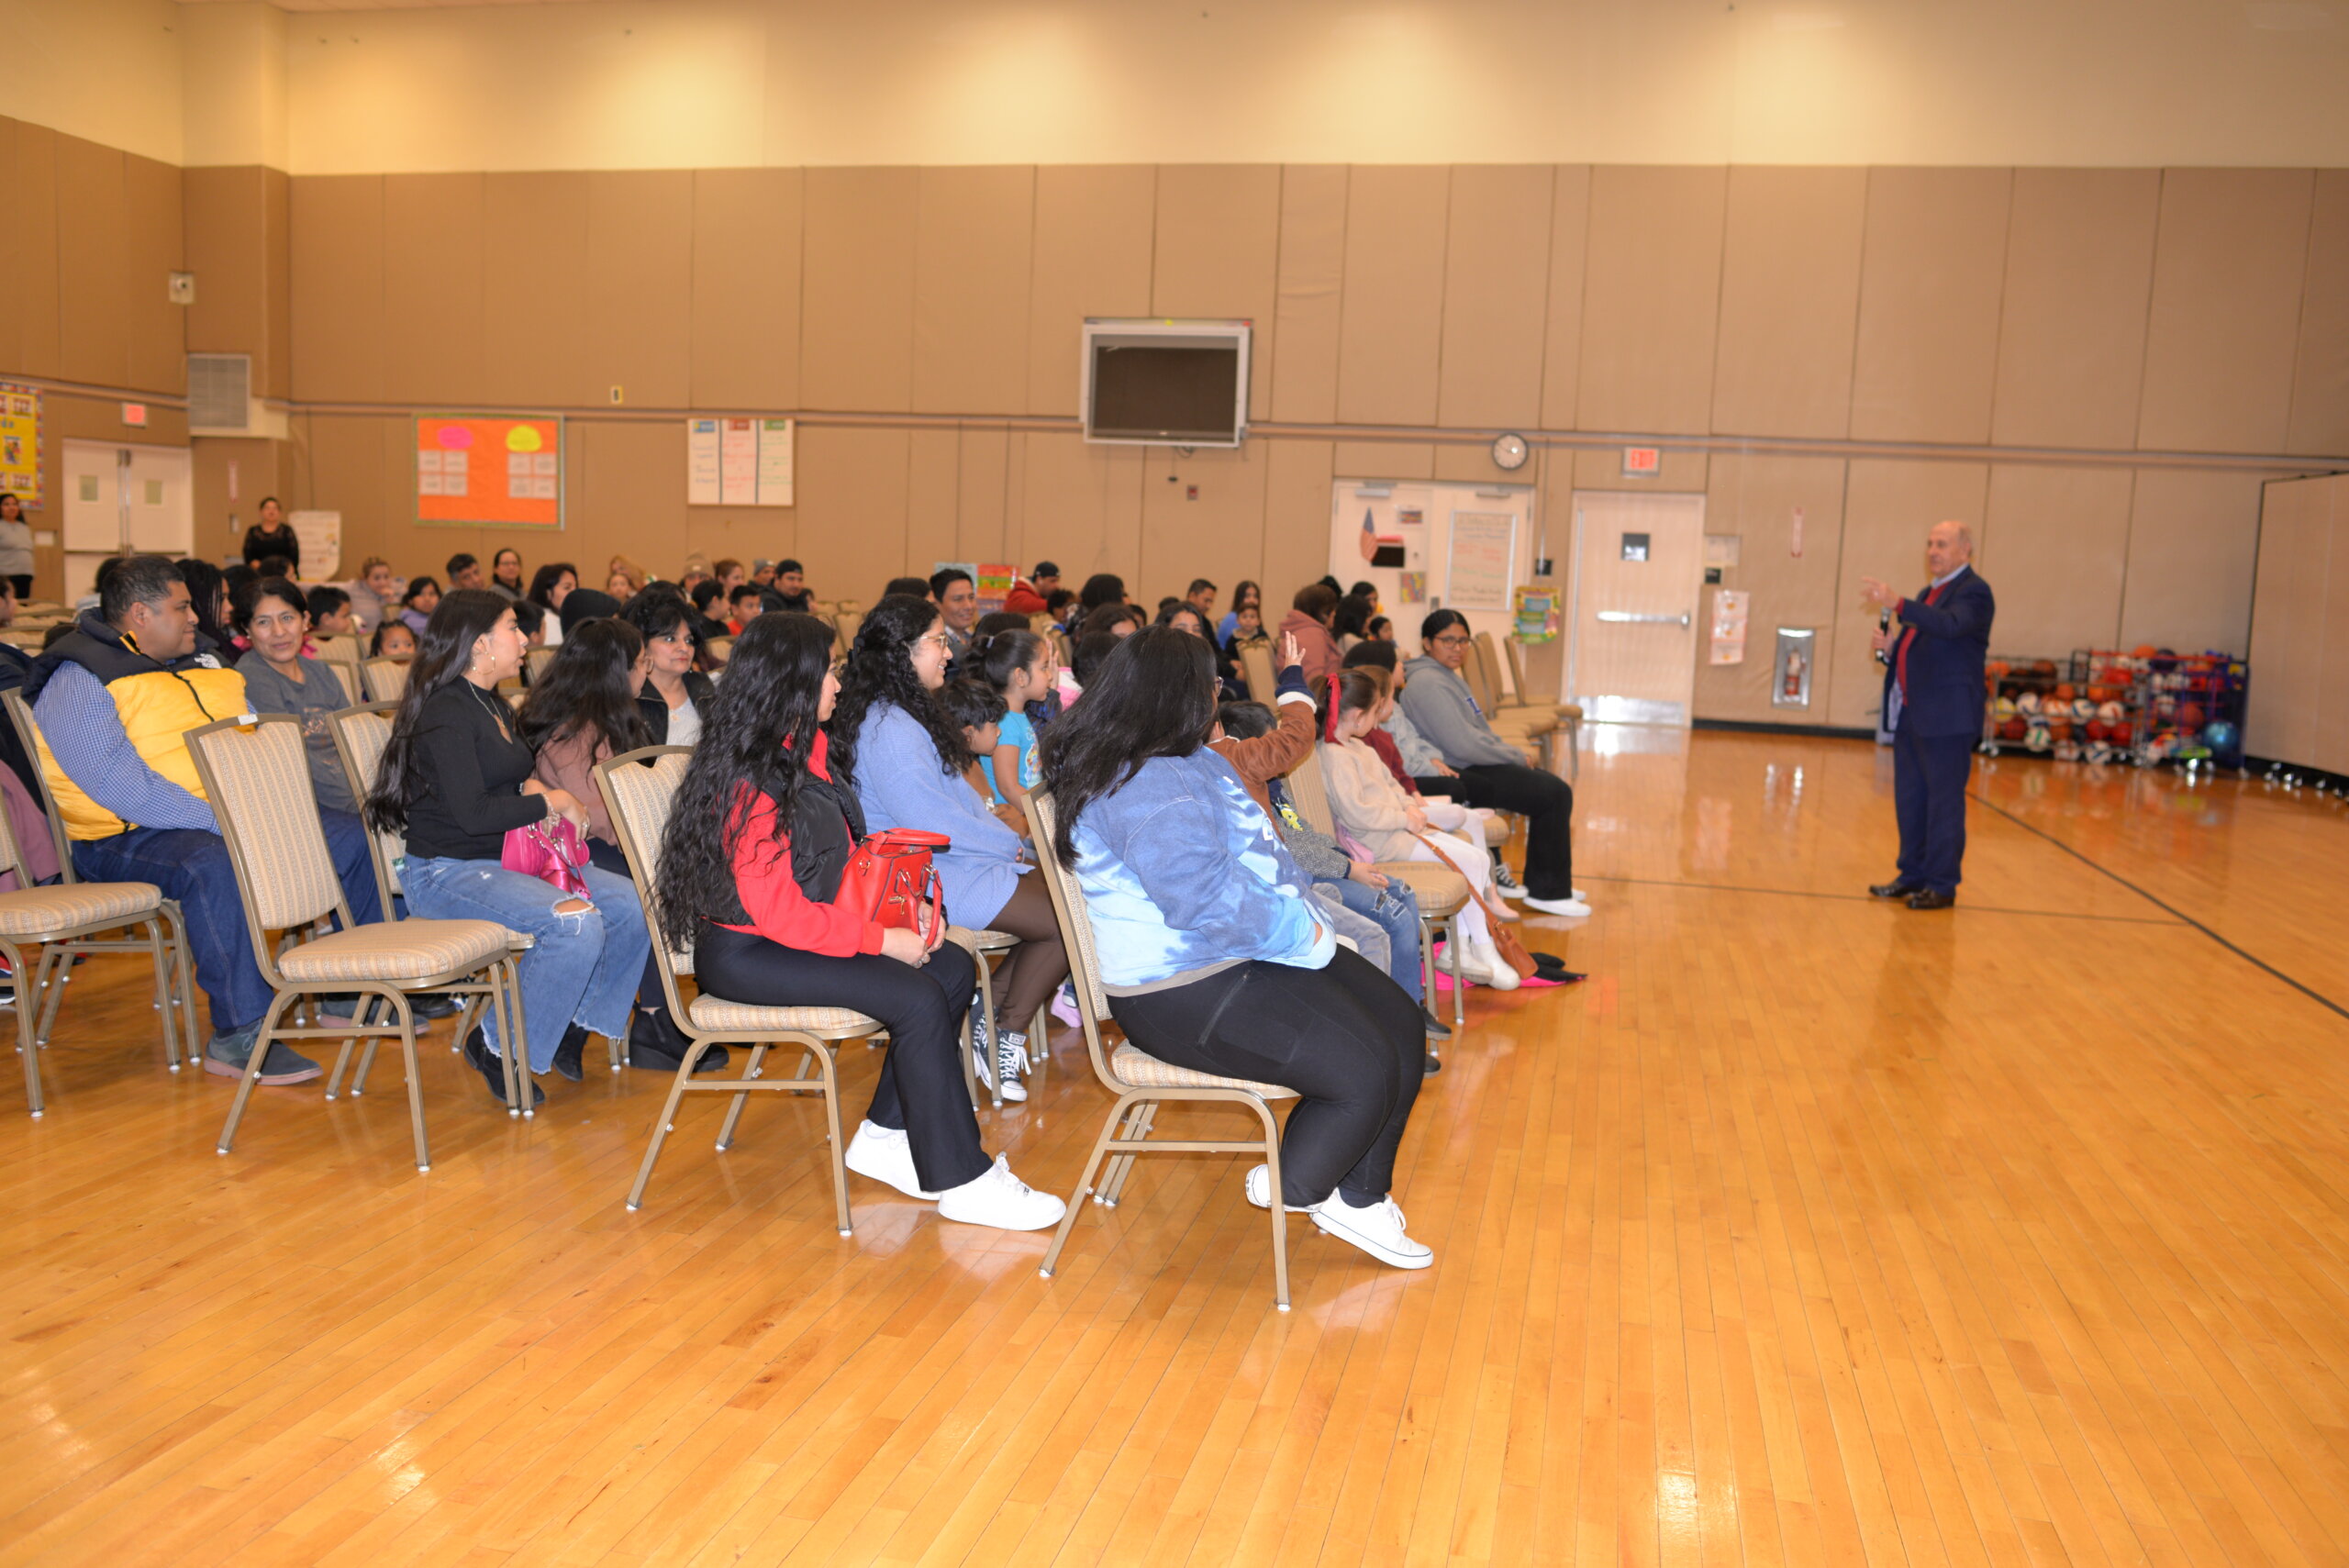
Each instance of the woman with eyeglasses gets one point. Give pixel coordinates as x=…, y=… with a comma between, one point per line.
x=904, y=758
x=674, y=695
x=1489, y=771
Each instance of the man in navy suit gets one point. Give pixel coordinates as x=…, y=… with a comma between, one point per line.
x=1932, y=703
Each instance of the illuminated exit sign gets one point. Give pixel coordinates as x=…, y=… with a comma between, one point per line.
x=1643, y=463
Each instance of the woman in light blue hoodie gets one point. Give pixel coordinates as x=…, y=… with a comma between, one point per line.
x=1210, y=948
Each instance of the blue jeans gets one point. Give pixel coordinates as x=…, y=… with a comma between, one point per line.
x=585, y=966
x=192, y=866
x=1396, y=909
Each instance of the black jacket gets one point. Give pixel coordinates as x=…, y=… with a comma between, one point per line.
x=699, y=690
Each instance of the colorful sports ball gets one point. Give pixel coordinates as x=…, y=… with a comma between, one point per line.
x=2112, y=712
x=2190, y=717
x=2096, y=729
x=2027, y=704
x=2083, y=709
x=1997, y=667
x=2221, y=735
x=2119, y=734
x=2003, y=709
x=2038, y=739
x=2013, y=729
x=2063, y=692
x=2060, y=727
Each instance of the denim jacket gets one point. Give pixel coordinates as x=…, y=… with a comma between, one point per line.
x=1183, y=876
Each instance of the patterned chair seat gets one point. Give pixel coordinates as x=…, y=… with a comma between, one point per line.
x=403, y=950
x=29, y=913
x=714, y=1015
x=1143, y=1070
x=1441, y=890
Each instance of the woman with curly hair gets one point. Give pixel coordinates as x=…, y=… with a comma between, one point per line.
x=758, y=901
x=905, y=760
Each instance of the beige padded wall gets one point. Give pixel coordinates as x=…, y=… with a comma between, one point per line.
x=1217, y=253
x=1650, y=298
x=1391, y=322
x=1930, y=274
x=1495, y=295
x=2228, y=263
x=857, y=481
x=2054, y=552
x=2299, y=554
x=1218, y=535
x=1080, y=506
x=2321, y=372
x=1296, y=519
x=94, y=263
x=746, y=232
x=1888, y=505
x=972, y=281
x=856, y=323
x=1569, y=275
x=339, y=254
x=636, y=323
x=534, y=290
x=1306, y=323
x=2079, y=267
x=1790, y=289
x=1755, y=498
x=29, y=249
x=2193, y=540
x=1091, y=256
x=435, y=235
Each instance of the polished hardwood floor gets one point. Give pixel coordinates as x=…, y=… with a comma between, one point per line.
x=1809, y=1231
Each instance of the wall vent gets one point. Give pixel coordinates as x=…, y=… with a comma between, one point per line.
x=219, y=393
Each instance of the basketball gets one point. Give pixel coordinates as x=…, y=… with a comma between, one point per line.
x=2012, y=729
x=2063, y=692
x=2189, y=715
x=2097, y=729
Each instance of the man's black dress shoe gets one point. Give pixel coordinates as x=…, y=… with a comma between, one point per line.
x=1894, y=889
x=1926, y=898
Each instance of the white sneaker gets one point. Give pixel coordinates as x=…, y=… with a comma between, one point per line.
x=887, y=1157
x=1002, y=1200
x=1011, y=1061
x=1260, y=1191
x=1378, y=1231
x=1497, y=974
x=1572, y=909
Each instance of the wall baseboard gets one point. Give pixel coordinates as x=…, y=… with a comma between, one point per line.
x=1760, y=726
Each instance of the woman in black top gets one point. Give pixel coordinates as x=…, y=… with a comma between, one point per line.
x=273, y=536
x=456, y=778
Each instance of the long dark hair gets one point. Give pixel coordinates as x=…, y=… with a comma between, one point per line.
x=463, y=618
x=880, y=673
x=585, y=689
x=757, y=735
x=1003, y=655
x=1154, y=696
x=207, y=593
x=1102, y=588
x=543, y=579
x=501, y=554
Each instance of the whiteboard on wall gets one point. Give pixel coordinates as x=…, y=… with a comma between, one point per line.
x=1426, y=544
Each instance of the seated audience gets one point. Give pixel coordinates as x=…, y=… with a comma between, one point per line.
x=624, y=579
x=755, y=898
x=744, y=605
x=957, y=598
x=1201, y=597
x=272, y=566
x=1365, y=590
x=708, y=600
x=532, y=622
x=456, y=779
x=1308, y=620
x=783, y=587
x=464, y=572
x=375, y=596
x=421, y=597
x=1242, y=596
x=1371, y=809
x=1063, y=607
x=1091, y=649
x=976, y=709
x=208, y=589
x=114, y=698
x=904, y=758
x=393, y=639
x=549, y=586
x=1380, y=630
x=1352, y=623
x=584, y=605
x=917, y=586
x=1031, y=594
x=281, y=678
x=1019, y=667
x=1247, y=625
x=1492, y=773
x=1210, y=945
x=675, y=695
x=506, y=575
x=329, y=609
x=993, y=621
x=1101, y=588
x=1115, y=621
x=1185, y=615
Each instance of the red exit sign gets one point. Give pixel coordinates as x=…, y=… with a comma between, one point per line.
x=1643, y=463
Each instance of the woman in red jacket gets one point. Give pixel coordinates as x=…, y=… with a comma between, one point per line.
x=756, y=899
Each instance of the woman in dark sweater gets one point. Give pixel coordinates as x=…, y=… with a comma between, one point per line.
x=456, y=778
x=757, y=900
x=273, y=536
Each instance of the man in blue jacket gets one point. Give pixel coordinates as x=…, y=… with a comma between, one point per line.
x=1934, y=653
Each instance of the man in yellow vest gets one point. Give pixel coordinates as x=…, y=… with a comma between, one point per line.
x=115, y=698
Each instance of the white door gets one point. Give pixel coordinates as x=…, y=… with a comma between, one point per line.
x=119, y=496
x=1639, y=564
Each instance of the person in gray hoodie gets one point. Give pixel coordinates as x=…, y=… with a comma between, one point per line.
x=1492, y=773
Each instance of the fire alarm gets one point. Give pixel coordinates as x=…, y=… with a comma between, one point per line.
x=1191, y=493
x=183, y=288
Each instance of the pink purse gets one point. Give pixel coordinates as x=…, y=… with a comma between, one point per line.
x=555, y=855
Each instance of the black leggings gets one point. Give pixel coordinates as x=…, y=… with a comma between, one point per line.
x=1348, y=1040
x=921, y=1088
x=1030, y=973
x=1547, y=803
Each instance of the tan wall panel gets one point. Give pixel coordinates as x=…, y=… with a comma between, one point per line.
x=346, y=466
x=535, y=325
x=1562, y=318
x=1472, y=461
x=1391, y=308
x=934, y=499
x=2228, y=266
x=155, y=250
x=277, y=244
x=226, y=222
x=2321, y=371
x=2288, y=620
x=972, y=277
x=746, y=288
x=14, y=306
x=1887, y=507
x=853, y=500
x=637, y=330
x=982, y=528
x=263, y=467
x=2332, y=678
x=1091, y=256
x=434, y=234
x=856, y=323
x=1755, y=498
x=1217, y=253
x=2193, y=542
x=93, y=262
x=32, y=235
x=2056, y=545
x=1790, y=290
x=1652, y=298
x=1381, y=460
x=1219, y=536
x=1930, y=273
x=1495, y=294
x=1306, y=316
x=340, y=327
x=2071, y=326
x=1603, y=470
x=1080, y=506
x=1296, y=519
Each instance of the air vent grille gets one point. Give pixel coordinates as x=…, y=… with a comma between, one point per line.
x=219, y=391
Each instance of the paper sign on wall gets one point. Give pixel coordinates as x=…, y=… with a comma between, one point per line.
x=21, y=412
x=1730, y=606
x=503, y=472
x=1484, y=560
x=738, y=461
x=320, y=536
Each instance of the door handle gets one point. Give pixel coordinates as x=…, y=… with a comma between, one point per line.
x=1626, y=617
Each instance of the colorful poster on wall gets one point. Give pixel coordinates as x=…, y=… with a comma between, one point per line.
x=21, y=412
x=994, y=584
x=320, y=533
x=1536, y=615
x=473, y=469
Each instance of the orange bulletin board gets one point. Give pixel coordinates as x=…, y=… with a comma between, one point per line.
x=506, y=471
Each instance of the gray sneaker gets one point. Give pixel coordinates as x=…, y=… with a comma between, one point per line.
x=225, y=1056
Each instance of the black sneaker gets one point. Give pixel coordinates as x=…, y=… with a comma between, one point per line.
x=492, y=1068
x=1434, y=1027
x=567, y=1055
x=655, y=1058
x=657, y=1045
x=225, y=1056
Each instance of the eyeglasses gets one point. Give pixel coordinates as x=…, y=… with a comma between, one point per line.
x=938, y=638
x=1451, y=639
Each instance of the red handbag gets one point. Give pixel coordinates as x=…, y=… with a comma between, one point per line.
x=890, y=879
x=555, y=855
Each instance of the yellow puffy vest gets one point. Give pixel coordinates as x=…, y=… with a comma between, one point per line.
x=158, y=708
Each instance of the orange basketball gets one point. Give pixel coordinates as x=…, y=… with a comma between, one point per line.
x=2066, y=690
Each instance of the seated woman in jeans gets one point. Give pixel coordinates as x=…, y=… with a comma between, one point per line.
x=905, y=760
x=455, y=778
x=1210, y=948
x=756, y=899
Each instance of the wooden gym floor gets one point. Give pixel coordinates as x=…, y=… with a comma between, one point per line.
x=1809, y=1231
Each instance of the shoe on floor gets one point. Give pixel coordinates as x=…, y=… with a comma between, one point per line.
x=434, y=1004
x=887, y=1157
x=1001, y=1200
x=1896, y=888
x=1010, y=1061
x=1505, y=880
x=1259, y=1188
x=1500, y=911
x=1064, y=1007
x=1435, y=1028
x=1497, y=974
x=225, y=1056
x=1378, y=1230
x=485, y=1060
x=1429, y=1066
x=655, y=1059
x=1926, y=898
x=1572, y=909
x=568, y=1055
